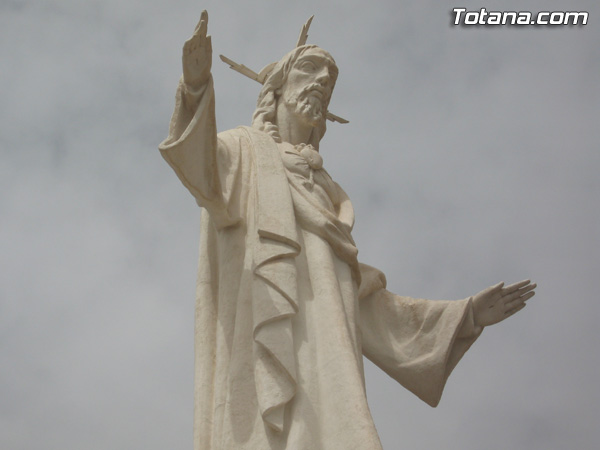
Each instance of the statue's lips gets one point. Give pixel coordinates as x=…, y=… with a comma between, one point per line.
x=316, y=91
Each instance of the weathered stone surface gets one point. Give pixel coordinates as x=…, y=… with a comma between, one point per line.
x=284, y=309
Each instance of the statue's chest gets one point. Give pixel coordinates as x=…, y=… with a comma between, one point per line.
x=305, y=172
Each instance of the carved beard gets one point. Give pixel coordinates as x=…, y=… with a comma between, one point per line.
x=308, y=105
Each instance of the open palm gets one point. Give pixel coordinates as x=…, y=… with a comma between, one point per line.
x=496, y=303
x=197, y=55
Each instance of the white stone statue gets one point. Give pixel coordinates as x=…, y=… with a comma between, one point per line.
x=284, y=310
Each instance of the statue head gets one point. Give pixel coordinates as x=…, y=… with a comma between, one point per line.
x=304, y=80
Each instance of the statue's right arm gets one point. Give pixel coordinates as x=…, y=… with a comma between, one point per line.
x=191, y=148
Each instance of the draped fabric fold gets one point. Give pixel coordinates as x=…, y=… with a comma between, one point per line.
x=274, y=290
x=281, y=324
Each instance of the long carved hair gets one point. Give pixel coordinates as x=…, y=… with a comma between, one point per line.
x=265, y=115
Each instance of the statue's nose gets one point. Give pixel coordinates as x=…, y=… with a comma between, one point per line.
x=323, y=76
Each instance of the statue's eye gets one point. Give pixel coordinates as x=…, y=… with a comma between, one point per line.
x=308, y=66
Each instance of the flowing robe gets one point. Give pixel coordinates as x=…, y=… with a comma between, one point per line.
x=284, y=311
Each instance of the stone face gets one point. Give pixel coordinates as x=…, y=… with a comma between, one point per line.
x=284, y=311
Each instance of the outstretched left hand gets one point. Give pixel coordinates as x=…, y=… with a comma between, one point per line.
x=496, y=303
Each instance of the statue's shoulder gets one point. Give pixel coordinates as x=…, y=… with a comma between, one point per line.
x=232, y=140
x=241, y=134
x=232, y=133
x=238, y=132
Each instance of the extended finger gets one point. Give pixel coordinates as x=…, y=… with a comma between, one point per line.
x=495, y=288
x=525, y=289
x=515, y=286
x=509, y=305
x=520, y=292
x=202, y=24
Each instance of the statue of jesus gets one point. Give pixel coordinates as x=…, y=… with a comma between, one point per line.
x=284, y=310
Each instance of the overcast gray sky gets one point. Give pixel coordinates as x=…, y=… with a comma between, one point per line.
x=471, y=156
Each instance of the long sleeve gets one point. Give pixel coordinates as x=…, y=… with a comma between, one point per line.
x=205, y=164
x=417, y=342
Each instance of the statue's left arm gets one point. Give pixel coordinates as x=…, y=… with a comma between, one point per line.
x=419, y=342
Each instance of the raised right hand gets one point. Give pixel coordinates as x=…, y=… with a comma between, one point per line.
x=197, y=55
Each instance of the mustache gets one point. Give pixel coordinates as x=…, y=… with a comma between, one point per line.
x=312, y=88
